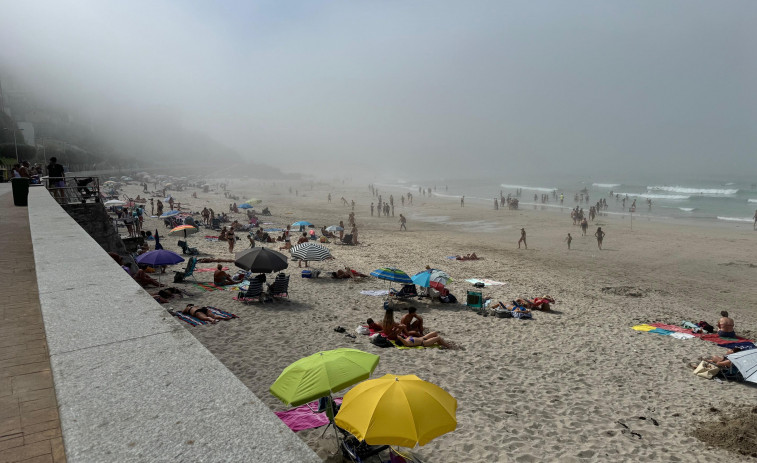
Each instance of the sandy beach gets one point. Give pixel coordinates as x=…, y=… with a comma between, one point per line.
x=573, y=384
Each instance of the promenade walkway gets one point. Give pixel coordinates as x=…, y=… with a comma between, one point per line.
x=29, y=424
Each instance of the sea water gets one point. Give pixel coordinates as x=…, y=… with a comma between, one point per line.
x=690, y=199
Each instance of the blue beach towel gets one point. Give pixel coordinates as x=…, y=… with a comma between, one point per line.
x=196, y=321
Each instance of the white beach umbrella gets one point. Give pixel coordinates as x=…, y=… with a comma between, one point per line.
x=746, y=362
x=114, y=202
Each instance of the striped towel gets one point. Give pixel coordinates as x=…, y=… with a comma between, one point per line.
x=210, y=269
x=196, y=321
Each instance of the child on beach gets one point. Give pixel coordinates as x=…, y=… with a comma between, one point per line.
x=568, y=239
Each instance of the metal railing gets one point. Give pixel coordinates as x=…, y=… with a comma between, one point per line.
x=74, y=190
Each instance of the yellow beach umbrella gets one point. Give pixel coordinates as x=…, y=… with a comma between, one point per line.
x=397, y=410
x=253, y=201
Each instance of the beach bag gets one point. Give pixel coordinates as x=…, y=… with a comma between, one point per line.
x=362, y=330
x=706, y=326
x=380, y=341
x=307, y=274
x=707, y=370
x=479, y=284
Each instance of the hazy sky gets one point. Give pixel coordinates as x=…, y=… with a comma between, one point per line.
x=434, y=87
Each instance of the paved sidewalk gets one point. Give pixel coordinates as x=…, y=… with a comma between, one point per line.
x=29, y=423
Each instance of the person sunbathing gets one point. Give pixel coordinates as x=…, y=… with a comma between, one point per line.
x=202, y=313
x=542, y=303
x=471, y=256
x=373, y=326
x=428, y=340
x=413, y=322
x=221, y=278
x=165, y=295
x=144, y=279
x=347, y=273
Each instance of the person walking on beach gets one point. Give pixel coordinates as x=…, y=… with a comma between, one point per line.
x=600, y=236
x=232, y=239
x=403, y=221
x=371, y=209
x=522, y=238
x=568, y=240
x=462, y=201
x=754, y=227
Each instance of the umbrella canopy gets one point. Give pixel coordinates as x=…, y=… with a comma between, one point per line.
x=392, y=274
x=334, y=228
x=245, y=206
x=254, y=201
x=183, y=229
x=261, y=260
x=432, y=278
x=397, y=410
x=159, y=257
x=322, y=373
x=746, y=362
x=302, y=223
x=114, y=202
x=170, y=214
x=310, y=251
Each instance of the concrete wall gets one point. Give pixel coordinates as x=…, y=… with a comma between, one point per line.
x=132, y=383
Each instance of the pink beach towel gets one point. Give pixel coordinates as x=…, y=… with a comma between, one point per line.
x=303, y=417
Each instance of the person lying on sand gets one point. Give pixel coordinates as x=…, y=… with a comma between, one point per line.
x=373, y=326
x=413, y=322
x=222, y=278
x=201, y=313
x=347, y=273
x=542, y=303
x=428, y=340
x=165, y=295
x=471, y=256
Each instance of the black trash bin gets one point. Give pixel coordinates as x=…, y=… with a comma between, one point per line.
x=20, y=191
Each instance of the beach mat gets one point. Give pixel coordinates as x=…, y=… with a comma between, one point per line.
x=210, y=269
x=485, y=281
x=679, y=332
x=215, y=287
x=196, y=321
x=375, y=292
x=302, y=417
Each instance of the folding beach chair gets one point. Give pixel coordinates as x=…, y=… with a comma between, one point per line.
x=189, y=270
x=185, y=249
x=253, y=293
x=279, y=289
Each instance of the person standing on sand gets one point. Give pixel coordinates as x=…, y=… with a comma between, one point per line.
x=232, y=239
x=568, y=239
x=754, y=227
x=403, y=221
x=600, y=236
x=522, y=238
x=371, y=209
x=329, y=198
x=462, y=201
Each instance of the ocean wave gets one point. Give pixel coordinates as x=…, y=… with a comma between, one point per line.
x=751, y=200
x=605, y=185
x=655, y=196
x=736, y=219
x=532, y=188
x=694, y=191
x=687, y=209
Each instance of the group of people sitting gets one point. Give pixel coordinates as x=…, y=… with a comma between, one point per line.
x=522, y=307
x=408, y=332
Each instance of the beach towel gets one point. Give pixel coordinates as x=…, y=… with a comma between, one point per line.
x=399, y=345
x=661, y=331
x=643, y=327
x=215, y=287
x=211, y=238
x=375, y=292
x=302, y=417
x=209, y=269
x=743, y=345
x=485, y=281
x=196, y=321
x=451, y=257
x=270, y=230
x=676, y=328
x=679, y=335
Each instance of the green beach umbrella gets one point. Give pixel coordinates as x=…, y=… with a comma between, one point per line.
x=322, y=373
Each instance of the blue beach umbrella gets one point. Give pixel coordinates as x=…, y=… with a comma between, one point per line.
x=432, y=278
x=170, y=214
x=302, y=223
x=422, y=279
x=392, y=274
x=245, y=206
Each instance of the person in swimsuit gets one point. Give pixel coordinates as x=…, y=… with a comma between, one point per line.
x=413, y=322
x=428, y=340
x=522, y=238
x=600, y=236
x=221, y=278
x=201, y=313
x=725, y=326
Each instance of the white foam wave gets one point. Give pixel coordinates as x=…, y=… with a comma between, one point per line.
x=694, y=191
x=605, y=185
x=686, y=209
x=736, y=219
x=532, y=188
x=655, y=196
x=751, y=200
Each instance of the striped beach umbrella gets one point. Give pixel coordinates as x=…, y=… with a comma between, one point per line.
x=392, y=274
x=334, y=228
x=183, y=229
x=310, y=252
